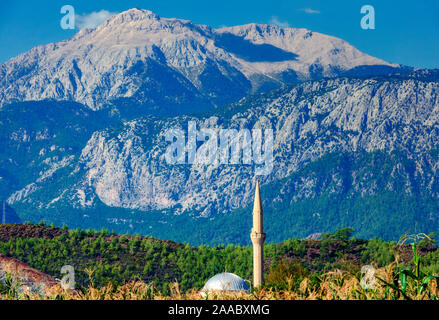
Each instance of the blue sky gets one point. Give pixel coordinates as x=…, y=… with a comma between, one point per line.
x=407, y=32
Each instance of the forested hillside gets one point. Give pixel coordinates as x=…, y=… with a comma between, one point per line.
x=121, y=258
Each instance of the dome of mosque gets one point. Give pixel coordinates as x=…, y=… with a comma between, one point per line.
x=225, y=282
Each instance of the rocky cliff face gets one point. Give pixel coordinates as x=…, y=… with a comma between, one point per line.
x=127, y=167
x=173, y=66
x=310, y=121
x=94, y=144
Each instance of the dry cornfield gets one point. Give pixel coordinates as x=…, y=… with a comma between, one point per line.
x=335, y=285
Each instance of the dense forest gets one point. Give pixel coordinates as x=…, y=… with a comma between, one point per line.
x=121, y=258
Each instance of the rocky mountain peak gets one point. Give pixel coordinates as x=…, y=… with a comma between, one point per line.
x=134, y=14
x=136, y=54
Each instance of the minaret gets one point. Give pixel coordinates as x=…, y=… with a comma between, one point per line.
x=258, y=238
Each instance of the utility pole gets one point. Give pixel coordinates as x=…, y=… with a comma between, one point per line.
x=4, y=213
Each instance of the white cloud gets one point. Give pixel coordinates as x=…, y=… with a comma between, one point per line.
x=275, y=20
x=92, y=20
x=310, y=11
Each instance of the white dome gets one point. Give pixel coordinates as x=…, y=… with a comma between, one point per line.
x=225, y=282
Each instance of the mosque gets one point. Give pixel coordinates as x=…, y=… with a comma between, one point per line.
x=231, y=283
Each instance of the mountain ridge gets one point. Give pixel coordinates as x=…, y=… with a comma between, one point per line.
x=125, y=57
x=123, y=168
x=89, y=150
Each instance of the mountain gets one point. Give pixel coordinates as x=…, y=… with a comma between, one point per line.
x=355, y=139
x=141, y=63
x=338, y=144
x=127, y=167
x=37, y=137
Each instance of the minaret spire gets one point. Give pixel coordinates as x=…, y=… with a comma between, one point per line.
x=257, y=210
x=258, y=238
